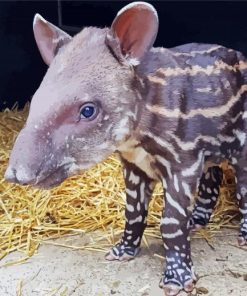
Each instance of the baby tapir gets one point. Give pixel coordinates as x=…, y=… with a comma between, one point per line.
x=171, y=114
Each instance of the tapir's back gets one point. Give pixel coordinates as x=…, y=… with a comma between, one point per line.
x=210, y=74
x=196, y=91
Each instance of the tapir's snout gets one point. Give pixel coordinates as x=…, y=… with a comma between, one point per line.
x=19, y=176
x=43, y=180
x=47, y=176
x=24, y=159
x=33, y=161
x=22, y=169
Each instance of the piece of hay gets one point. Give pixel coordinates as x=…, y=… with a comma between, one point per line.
x=91, y=201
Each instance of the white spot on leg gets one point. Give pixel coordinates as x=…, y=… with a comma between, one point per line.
x=243, y=191
x=134, y=178
x=204, y=201
x=243, y=211
x=180, y=271
x=129, y=231
x=136, y=242
x=175, y=180
x=216, y=191
x=168, y=221
x=238, y=196
x=138, y=207
x=136, y=220
x=131, y=193
x=166, y=247
x=204, y=210
x=172, y=235
x=130, y=208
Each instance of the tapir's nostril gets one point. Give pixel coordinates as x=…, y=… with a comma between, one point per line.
x=24, y=178
x=18, y=176
x=10, y=175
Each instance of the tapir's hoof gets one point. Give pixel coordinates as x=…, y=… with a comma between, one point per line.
x=121, y=252
x=175, y=280
x=242, y=241
x=197, y=224
x=189, y=286
x=196, y=227
x=172, y=290
x=124, y=257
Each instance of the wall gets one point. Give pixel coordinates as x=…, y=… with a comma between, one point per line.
x=180, y=22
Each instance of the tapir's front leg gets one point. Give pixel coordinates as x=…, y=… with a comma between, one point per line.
x=175, y=230
x=139, y=189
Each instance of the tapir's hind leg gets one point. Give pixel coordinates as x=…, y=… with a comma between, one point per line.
x=241, y=194
x=208, y=193
x=139, y=189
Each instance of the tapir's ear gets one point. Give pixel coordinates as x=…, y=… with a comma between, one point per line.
x=49, y=38
x=133, y=32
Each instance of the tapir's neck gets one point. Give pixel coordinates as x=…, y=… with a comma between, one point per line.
x=139, y=147
x=155, y=59
x=191, y=96
x=150, y=72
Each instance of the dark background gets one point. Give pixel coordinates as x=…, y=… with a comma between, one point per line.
x=22, y=68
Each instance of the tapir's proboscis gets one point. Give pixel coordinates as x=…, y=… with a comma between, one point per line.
x=172, y=115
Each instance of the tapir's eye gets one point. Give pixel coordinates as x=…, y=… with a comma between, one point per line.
x=88, y=111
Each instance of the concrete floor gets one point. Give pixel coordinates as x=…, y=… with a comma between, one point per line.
x=59, y=271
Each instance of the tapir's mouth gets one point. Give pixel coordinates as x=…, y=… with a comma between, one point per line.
x=54, y=178
x=47, y=184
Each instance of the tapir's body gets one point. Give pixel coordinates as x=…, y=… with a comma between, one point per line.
x=195, y=100
x=194, y=113
x=172, y=114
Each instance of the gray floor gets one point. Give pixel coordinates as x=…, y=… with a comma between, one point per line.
x=59, y=271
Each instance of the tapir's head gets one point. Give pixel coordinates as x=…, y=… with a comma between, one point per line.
x=87, y=103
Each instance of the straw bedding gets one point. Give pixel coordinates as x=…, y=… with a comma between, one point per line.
x=91, y=201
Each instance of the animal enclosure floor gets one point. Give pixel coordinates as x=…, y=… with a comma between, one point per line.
x=59, y=271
